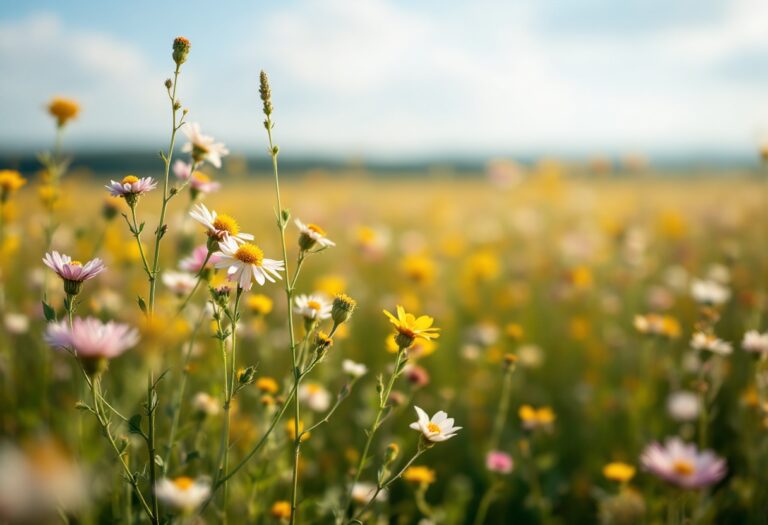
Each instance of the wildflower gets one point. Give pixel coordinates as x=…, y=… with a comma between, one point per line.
x=245, y=262
x=315, y=396
x=290, y=429
x=756, y=342
x=74, y=273
x=322, y=343
x=205, y=404
x=353, y=369
x=202, y=147
x=683, y=406
x=180, y=283
x=181, y=47
x=709, y=292
x=682, y=464
x=312, y=234
x=702, y=341
x=183, y=493
x=312, y=307
x=654, y=324
x=438, y=428
x=618, y=471
x=419, y=475
x=219, y=226
x=93, y=341
x=63, y=110
x=281, y=510
x=195, y=261
x=10, y=182
x=419, y=269
x=362, y=492
x=16, y=323
x=131, y=188
x=409, y=327
x=200, y=183
x=182, y=170
x=534, y=418
x=393, y=450
x=267, y=384
x=342, y=308
x=259, y=304
x=499, y=462
x=417, y=376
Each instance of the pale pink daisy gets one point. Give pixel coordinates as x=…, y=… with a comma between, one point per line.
x=245, y=262
x=93, y=341
x=182, y=170
x=202, y=147
x=131, y=187
x=195, y=261
x=219, y=226
x=73, y=272
x=682, y=464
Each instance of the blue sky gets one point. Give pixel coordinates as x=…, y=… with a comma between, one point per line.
x=397, y=79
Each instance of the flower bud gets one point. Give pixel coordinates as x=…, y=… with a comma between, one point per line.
x=181, y=48
x=266, y=93
x=343, y=307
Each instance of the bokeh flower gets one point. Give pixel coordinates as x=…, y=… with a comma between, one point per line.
x=682, y=464
x=63, y=110
x=499, y=462
x=93, y=341
x=203, y=147
x=311, y=235
x=183, y=493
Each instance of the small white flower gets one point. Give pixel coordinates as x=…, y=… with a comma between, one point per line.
x=313, y=307
x=202, y=147
x=204, y=403
x=183, y=493
x=16, y=323
x=219, y=226
x=702, y=341
x=245, y=262
x=312, y=234
x=709, y=292
x=438, y=428
x=362, y=492
x=754, y=341
x=315, y=396
x=353, y=369
x=180, y=283
x=683, y=406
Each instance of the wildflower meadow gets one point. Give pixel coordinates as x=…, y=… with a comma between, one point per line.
x=538, y=342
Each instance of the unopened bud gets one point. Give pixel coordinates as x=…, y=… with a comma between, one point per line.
x=181, y=48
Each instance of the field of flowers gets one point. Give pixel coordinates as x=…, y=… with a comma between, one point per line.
x=526, y=346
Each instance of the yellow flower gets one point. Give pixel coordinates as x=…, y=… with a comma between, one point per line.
x=259, y=304
x=420, y=475
x=281, y=510
x=267, y=384
x=534, y=418
x=618, y=471
x=409, y=327
x=10, y=181
x=331, y=285
x=63, y=109
x=49, y=196
x=419, y=269
x=482, y=266
x=290, y=429
x=514, y=331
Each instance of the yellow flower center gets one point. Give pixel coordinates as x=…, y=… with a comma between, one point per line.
x=682, y=467
x=250, y=254
x=432, y=427
x=227, y=224
x=130, y=179
x=75, y=263
x=201, y=177
x=314, y=305
x=317, y=229
x=183, y=482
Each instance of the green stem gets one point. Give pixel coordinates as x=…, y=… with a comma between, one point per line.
x=151, y=447
x=383, y=399
x=503, y=410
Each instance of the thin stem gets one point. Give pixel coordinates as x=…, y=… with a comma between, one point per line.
x=137, y=235
x=200, y=279
x=383, y=399
x=503, y=410
x=151, y=452
x=383, y=486
x=160, y=227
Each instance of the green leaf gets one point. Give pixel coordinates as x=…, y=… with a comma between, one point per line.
x=142, y=304
x=49, y=312
x=134, y=424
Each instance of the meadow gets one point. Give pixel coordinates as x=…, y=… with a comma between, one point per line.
x=601, y=353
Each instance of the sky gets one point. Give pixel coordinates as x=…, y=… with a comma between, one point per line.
x=396, y=79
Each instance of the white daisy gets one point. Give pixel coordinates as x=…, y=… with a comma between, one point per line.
x=180, y=283
x=438, y=428
x=219, y=226
x=353, y=369
x=313, y=307
x=756, y=342
x=709, y=292
x=245, y=262
x=315, y=396
x=702, y=341
x=183, y=493
x=312, y=234
x=202, y=147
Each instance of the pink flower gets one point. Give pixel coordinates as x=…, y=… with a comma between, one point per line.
x=194, y=262
x=93, y=341
x=201, y=183
x=182, y=170
x=70, y=270
x=500, y=462
x=131, y=186
x=682, y=464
